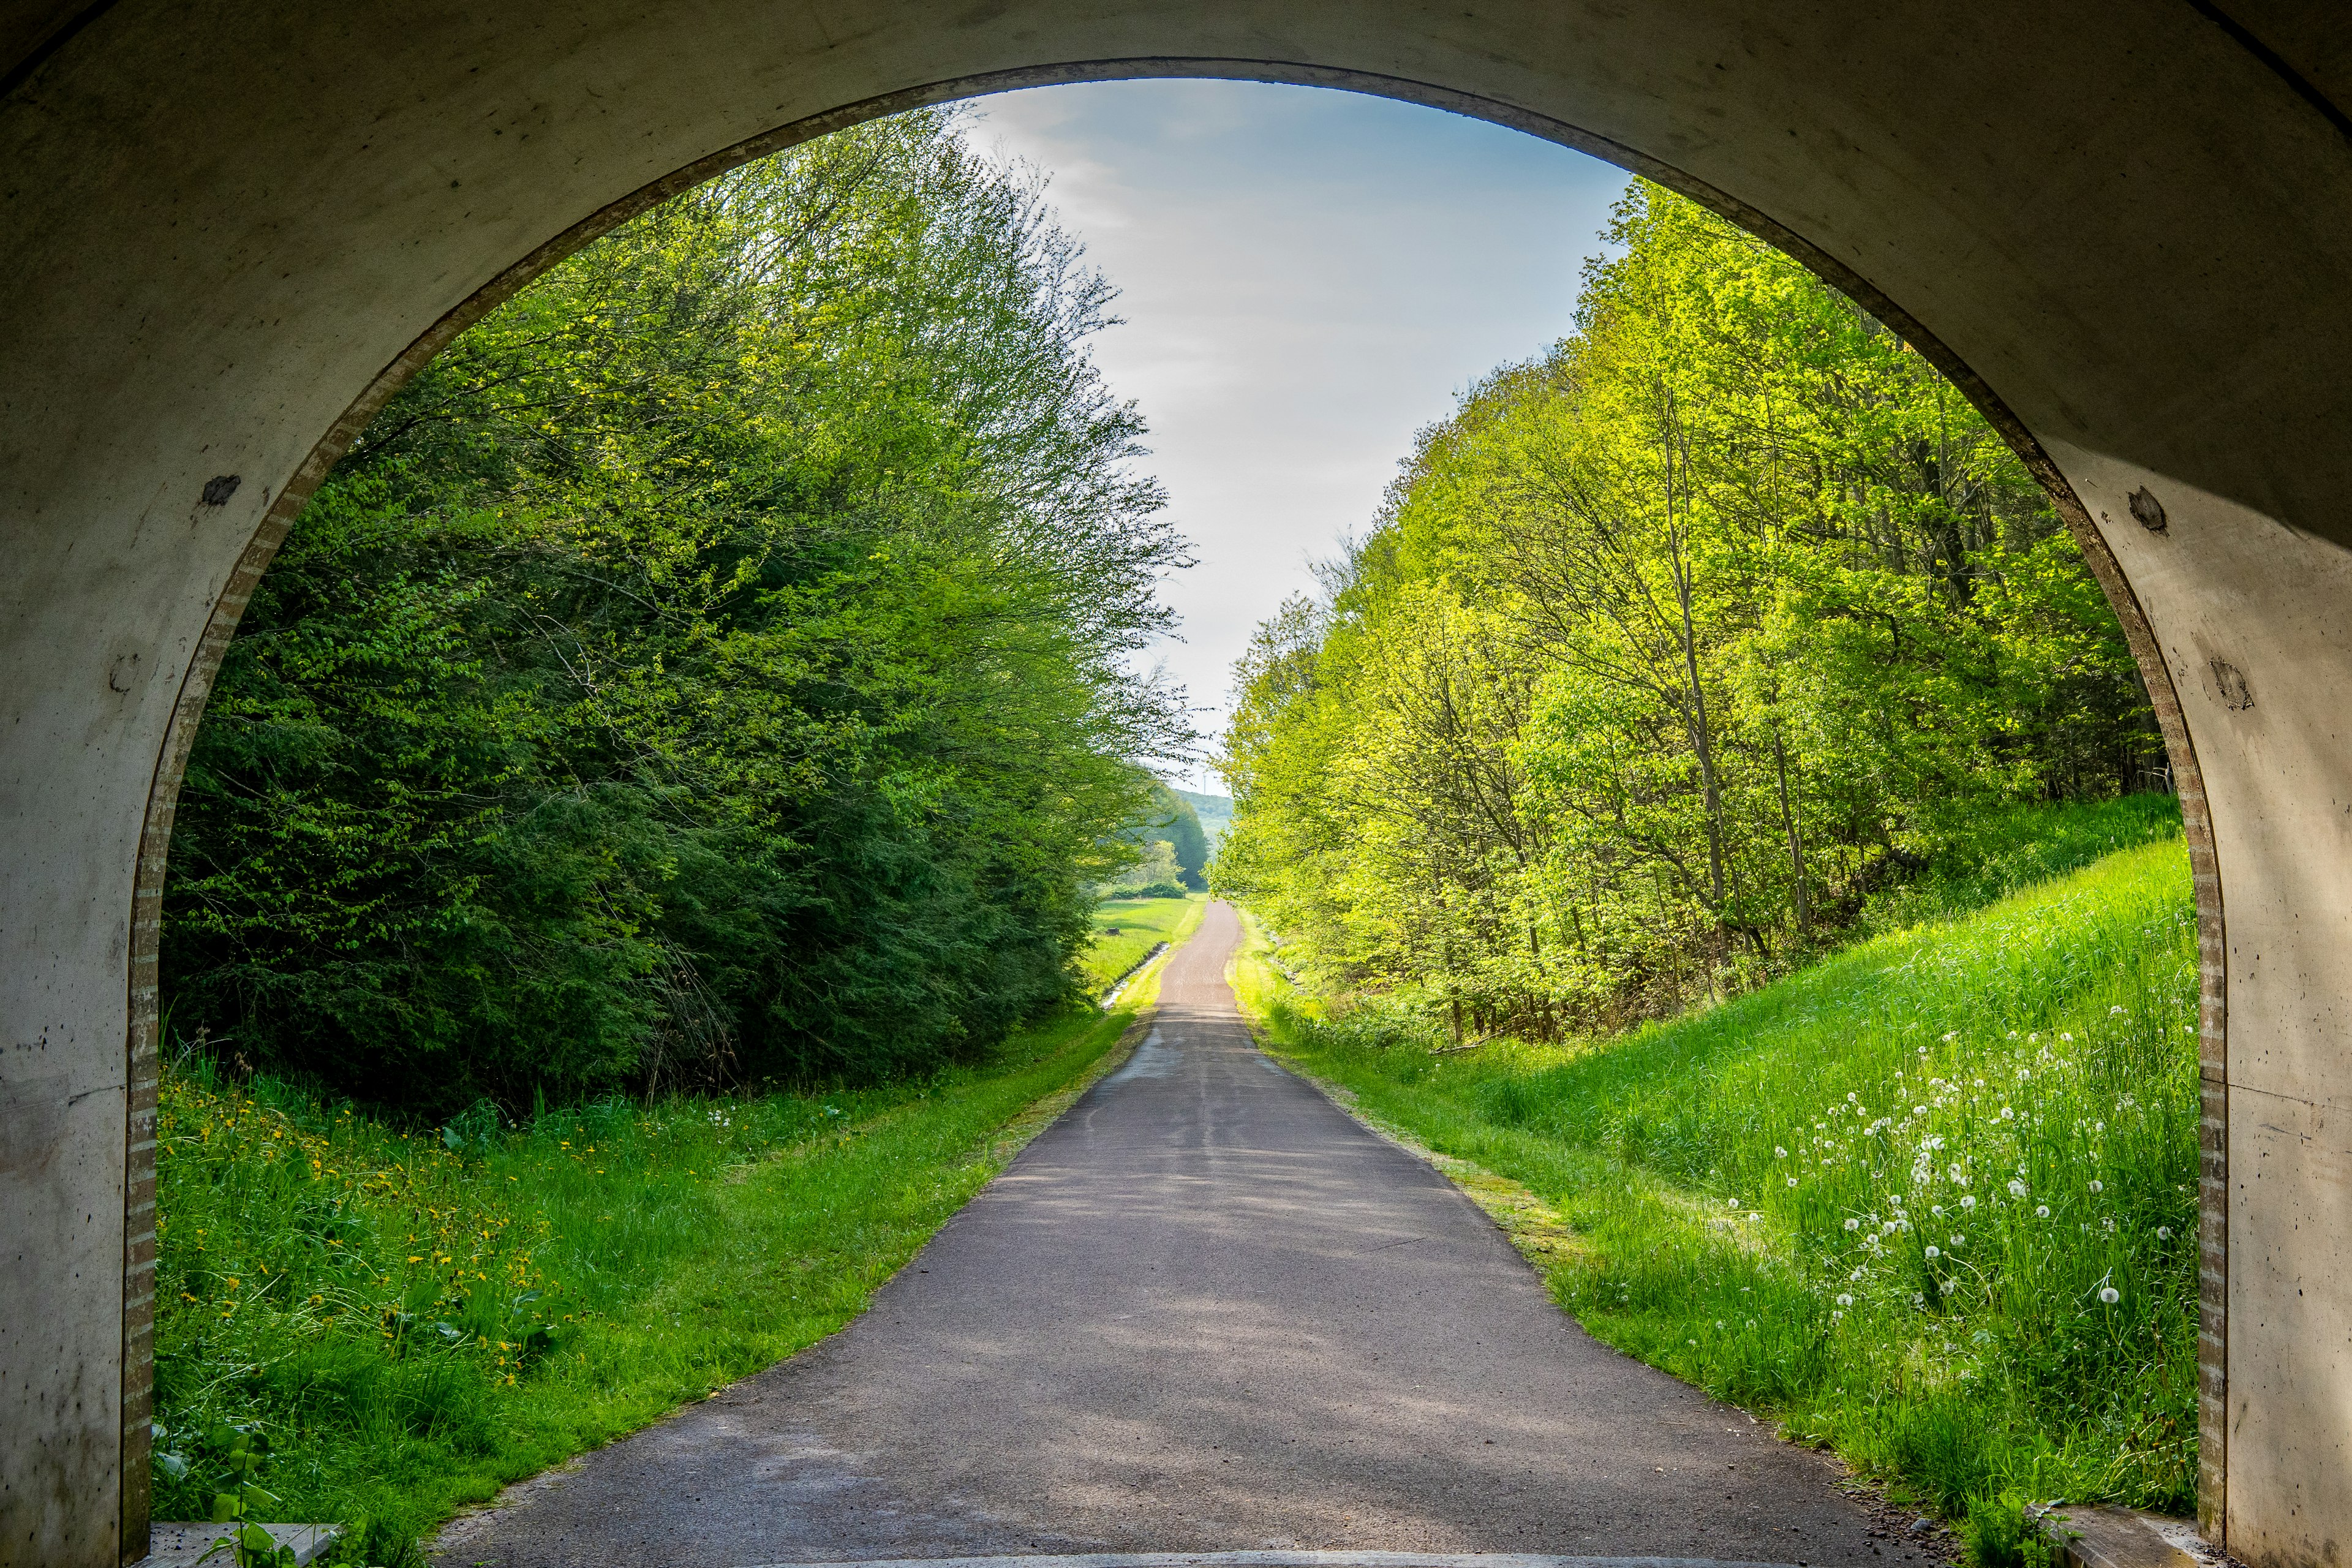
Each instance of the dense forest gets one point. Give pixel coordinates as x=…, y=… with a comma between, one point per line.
x=1669, y=651
x=713, y=666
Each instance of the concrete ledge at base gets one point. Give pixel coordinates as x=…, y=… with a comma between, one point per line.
x=2110, y=1537
x=179, y=1546
x=1284, y=1559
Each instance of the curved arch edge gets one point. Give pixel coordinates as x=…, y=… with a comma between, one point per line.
x=143, y=1043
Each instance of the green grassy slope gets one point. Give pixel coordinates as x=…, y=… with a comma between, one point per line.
x=1932, y=1200
x=1127, y=928
x=415, y=1324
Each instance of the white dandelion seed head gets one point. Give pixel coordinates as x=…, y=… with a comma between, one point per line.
x=1792, y=1180
x=2110, y=1295
x=1934, y=1251
x=1951, y=1036
x=2008, y=1113
x=2016, y=1188
x=2098, y=1185
x=1950, y=1286
x=2114, y=1012
x=1853, y=1224
x=2064, y=1035
x=1845, y=1299
x=1778, y=1152
x=1969, y=1202
x=1959, y=1240
x=2041, y=1211
x=2163, y=1233
x=1937, y=1209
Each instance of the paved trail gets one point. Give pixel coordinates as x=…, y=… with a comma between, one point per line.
x=1205, y=1312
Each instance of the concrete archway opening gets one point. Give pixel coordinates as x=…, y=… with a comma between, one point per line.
x=2122, y=230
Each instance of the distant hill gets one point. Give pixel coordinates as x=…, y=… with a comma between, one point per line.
x=1215, y=812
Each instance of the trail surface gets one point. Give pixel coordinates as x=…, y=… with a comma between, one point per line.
x=1204, y=1312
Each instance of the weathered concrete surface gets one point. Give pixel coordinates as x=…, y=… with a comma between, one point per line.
x=2123, y=1537
x=187, y=1544
x=224, y=230
x=1203, y=1311
x=1286, y=1559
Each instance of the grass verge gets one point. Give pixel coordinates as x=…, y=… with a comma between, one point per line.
x=417, y=1321
x=1932, y=1200
x=1127, y=928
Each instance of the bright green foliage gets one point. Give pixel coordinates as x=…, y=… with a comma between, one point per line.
x=417, y=1320
x=1933, y=1200
x=713, y=666
x=1669, y=650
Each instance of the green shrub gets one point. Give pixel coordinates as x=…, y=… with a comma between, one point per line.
x=658, y=694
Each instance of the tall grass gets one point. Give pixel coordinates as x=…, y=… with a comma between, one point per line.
x=416, y=1319
x=1997, y=851
x=1932, y=1200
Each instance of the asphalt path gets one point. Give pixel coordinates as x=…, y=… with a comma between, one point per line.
x=1204, y=1312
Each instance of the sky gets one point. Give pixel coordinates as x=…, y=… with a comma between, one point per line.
x=1307, y=277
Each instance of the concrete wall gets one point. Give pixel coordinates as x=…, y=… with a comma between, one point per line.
x=227, y=229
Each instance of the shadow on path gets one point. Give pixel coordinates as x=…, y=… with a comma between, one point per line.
x=1205, y=1312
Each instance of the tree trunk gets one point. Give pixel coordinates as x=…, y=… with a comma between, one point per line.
x=1702, y=740
x=1796, y=841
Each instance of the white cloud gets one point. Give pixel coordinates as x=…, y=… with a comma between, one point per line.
x=1307, y=278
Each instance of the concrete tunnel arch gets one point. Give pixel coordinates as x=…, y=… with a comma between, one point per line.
x=2122, y=226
